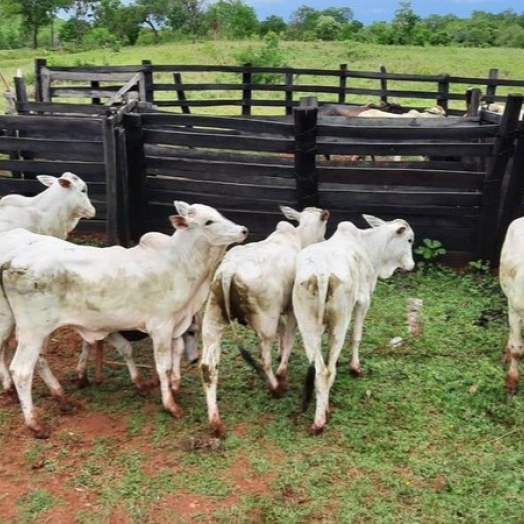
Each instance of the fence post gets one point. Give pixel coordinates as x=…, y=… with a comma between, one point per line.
x=491, y=88
x=95, y=84
x=473, y=96
x=305, y=170
x=39, y=64
x=490, y=206
x=513, y=189
x=383, y=86
x=177, y=78
x=148, y=81
x=289, y=93
x=112, y=189
x=443, y=92
x=137, y=183
x=342, y=79
x=247, y=79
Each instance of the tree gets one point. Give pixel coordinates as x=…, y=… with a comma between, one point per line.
x=327, y=28
x=342, y=15
x=404, y=23
x=272, y=24
x=232, y=19
x=121, y=21
x=303, y=22
x=153, y=13
x=35, y=14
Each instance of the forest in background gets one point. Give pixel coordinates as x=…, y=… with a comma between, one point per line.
x=79, y=25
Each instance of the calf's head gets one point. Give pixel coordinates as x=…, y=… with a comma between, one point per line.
x=218, y=230
x=312, y=223
x=72, y=194
x=398, y=248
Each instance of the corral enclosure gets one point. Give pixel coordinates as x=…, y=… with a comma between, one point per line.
x=141, y=142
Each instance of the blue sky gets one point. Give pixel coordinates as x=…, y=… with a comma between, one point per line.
x=370, y=11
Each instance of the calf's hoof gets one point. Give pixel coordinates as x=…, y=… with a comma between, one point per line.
x=142, y=386
x=217, y=429
x=39, y=430
x=176, y=411
x=82, y=382
x=512, y=384
x=355, y=371
x=279, y=391
x=316, y=429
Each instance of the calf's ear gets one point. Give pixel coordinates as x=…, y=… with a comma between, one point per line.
x=182, y=207
x=178, y=221
x=290, y=213
x=373, y=221
x=325, y=215
x=65, y=183
x=47, y=180
x=401, y=230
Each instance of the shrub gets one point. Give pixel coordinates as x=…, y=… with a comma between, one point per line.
x=270, y=55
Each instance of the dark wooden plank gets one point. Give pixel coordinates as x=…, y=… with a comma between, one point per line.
x=60, y=125
x=233, y=201
x=405, y=149
x=93, y=170
x=30, y=187
x=69, y=109
x=239, y=142
x=253, y=125
x=224, y=171
x=450, y=129
x=350, y=197
x=157, y=185
x=398, y=210
x=401, y=177
x=56, y=149
x=153, y=150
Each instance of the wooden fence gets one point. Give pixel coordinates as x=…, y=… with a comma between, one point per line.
x=191, y=88
x=247, y=167
x=138, y=159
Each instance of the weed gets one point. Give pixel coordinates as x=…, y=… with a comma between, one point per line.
x=430, y=249
x=34, y=504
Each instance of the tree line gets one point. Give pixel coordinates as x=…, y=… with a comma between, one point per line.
x=85, y=24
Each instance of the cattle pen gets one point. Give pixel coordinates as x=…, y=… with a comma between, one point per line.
x=141, y=143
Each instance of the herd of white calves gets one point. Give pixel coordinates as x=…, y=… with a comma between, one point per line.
x=293, y=278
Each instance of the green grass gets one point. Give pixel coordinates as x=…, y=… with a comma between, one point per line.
x=427, y=434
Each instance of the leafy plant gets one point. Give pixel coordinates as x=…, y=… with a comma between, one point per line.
x=430, y=249
x=479, y=266
x=270, y=55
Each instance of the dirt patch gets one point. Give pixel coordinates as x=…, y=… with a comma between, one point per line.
x=53, y=466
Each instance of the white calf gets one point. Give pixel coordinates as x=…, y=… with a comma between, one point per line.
x=511, y=273
x=55, y=212
x=337, y=277
x=430, y=112
x=155, y=287
x=253, y=286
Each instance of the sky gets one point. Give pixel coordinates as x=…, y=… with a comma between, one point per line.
x=368, y=11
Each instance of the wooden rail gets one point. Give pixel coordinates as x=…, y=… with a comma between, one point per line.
x=188, y=86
